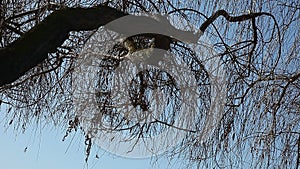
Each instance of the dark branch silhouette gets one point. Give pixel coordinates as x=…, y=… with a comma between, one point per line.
x=229, y=18
x=33, y=47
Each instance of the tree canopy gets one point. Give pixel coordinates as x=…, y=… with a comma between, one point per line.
x=255, y=43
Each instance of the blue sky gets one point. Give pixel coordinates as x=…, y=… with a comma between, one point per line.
x=46, y=150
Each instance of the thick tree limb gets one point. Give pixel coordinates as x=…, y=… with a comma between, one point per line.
x=33, y=47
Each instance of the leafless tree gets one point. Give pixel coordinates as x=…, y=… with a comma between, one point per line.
x=256, y=42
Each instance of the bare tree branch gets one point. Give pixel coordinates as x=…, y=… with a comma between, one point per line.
x=229, y=18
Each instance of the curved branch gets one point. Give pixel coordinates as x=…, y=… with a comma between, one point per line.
x=229, y=18
x=33, y=47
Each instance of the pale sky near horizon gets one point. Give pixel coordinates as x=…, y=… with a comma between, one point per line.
x=46, y=150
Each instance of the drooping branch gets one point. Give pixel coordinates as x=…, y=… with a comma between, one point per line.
x=244, y=17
